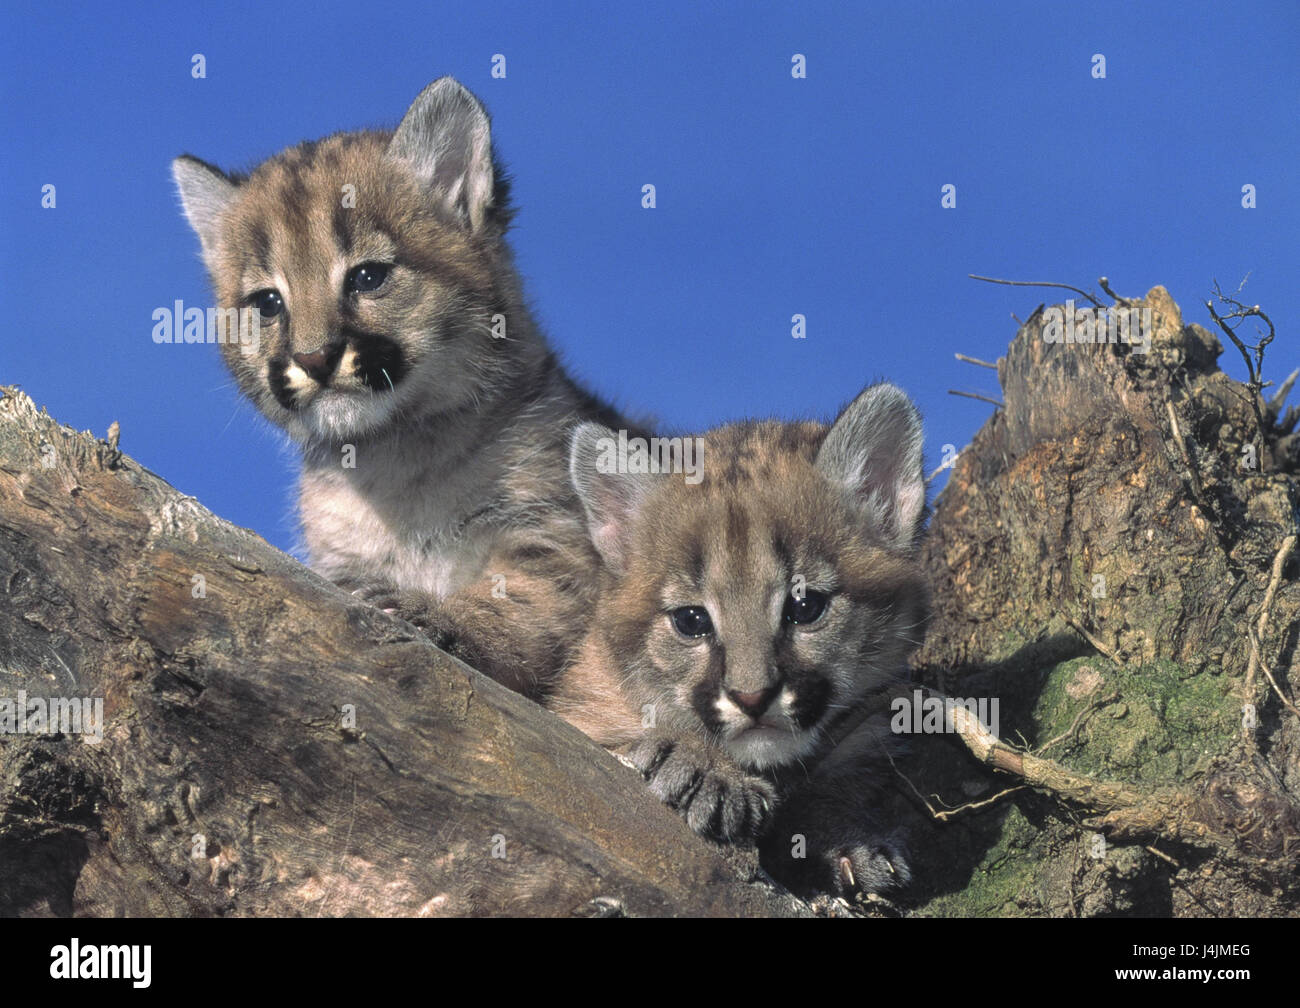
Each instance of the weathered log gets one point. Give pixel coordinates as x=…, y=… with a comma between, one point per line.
x=271, y=746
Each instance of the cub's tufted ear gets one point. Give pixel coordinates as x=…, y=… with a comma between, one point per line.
x=446, y=138
x=205, y=192
x=612, y=499
x=873, y=451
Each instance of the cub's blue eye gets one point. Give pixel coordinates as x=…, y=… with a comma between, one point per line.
x=368, y=277
x=808, y=609
x=269, y=303
x=692, y=621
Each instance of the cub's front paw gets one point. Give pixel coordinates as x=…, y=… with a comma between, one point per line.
x=380, y=594
x=417, y=608
x=874, y=865
x=843, y=861
x=716, y=797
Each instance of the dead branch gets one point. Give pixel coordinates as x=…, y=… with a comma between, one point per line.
x=1240, y=312
x=976, y=360
x=1038, y=283
x=1258, y=631
x=1125, y=811
x=976, y=395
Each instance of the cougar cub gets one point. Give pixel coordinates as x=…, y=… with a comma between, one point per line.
x=396, y=349
x=750, y=623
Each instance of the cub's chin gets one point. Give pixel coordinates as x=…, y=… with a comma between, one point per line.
x=333, y=415
x=763, y=747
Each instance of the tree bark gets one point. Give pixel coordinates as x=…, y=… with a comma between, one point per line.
x=1113, y=561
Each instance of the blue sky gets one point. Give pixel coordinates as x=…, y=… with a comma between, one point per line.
x=775, y=196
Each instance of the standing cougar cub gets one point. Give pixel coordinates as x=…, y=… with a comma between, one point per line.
x=396, y=349
x=750, y=626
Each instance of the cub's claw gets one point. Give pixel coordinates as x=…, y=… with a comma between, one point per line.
x=873, y=866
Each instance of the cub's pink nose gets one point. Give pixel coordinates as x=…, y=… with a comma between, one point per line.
x=320, y=363
x=753, y=704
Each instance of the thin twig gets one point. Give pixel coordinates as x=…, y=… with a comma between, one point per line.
x=1256, y=659
x=950, y=464
x=1279, y=563
x=974, y=395
x=1074, y=728
x=1104, y=284
x=934, y=813
x=1098, y=645
x=1036, y=283
x=947, y=814
x=976, y=806
x=1255, y=367
x=1254, y=647
x=1192, y=474
x=947, y=465
x=982, y=363
x=1163, y=857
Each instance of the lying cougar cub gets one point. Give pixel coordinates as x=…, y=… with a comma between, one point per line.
x=750, y=622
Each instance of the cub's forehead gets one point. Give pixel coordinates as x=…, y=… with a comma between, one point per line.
x=757, y=455
x=719, y=537
x=345, y=180
x=319, y=161
x=315, y=204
